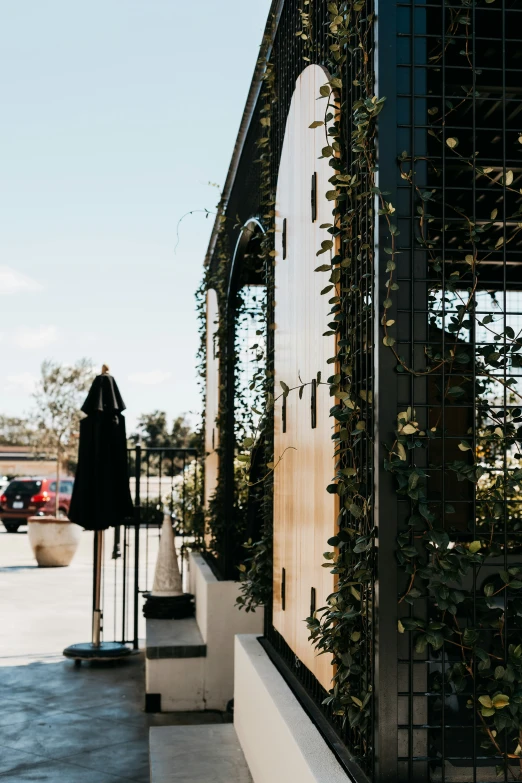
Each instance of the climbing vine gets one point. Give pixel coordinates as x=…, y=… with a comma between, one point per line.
x=461, y=595
x=256, y=571
x=460, y=576
x=343, y=628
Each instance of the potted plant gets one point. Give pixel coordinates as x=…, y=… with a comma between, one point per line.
x=53, y=538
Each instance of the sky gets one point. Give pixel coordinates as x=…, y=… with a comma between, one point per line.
x=116, y=116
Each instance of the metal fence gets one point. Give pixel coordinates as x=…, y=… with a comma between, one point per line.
x=163, y=480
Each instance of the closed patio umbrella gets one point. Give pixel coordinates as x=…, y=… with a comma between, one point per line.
x=101, y=496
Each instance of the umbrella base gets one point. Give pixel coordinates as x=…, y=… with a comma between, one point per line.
x=106, y=651
x=169, y=607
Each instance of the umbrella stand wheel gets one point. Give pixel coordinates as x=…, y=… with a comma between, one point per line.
x=106, y=651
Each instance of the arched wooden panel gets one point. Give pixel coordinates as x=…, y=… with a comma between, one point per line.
x=212, y=397
x=304, y=513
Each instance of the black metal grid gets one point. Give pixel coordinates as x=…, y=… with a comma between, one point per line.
x=290, y=59
x=437, y=737
x=461, y=62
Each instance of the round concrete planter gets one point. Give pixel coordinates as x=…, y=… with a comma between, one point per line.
x=54, y=541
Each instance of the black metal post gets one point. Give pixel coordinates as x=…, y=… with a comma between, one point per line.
x=229, y=442
x=385, y=401
x=137, y=520
x=124, y=585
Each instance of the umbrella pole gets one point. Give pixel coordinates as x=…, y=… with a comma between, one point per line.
x=96, y=604
x=97, y=650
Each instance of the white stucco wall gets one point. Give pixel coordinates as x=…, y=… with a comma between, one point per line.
x=280, y=742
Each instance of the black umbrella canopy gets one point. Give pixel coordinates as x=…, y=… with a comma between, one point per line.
x=101, y=496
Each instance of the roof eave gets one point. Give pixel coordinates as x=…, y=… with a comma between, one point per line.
x=253, y=95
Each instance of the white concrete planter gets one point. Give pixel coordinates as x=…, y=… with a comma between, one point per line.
x=190, y=663
x=53, y=541
x=279, y=740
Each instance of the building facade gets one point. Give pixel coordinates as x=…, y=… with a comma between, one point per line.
x=364, y=395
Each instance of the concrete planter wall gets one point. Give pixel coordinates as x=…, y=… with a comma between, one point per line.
x=54, y=541
x=190, y=663
x=219, y=620
x=279, y=740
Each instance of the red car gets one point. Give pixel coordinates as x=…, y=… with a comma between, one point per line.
x=28, y=497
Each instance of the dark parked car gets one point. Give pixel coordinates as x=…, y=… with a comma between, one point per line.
x=28, y=497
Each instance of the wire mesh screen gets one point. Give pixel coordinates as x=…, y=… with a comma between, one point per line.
x=459, y=319
x=291, y=54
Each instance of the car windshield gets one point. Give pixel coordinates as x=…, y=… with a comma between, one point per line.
x=24, y=487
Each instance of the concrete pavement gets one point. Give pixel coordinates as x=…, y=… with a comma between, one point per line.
x=59, y=723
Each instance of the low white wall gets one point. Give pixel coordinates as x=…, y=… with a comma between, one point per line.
x=280, y=742
x=219, y=620
x=179, y=681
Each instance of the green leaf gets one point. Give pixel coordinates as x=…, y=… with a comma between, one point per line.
x=316, y=124
x=421, y=643
x=475, y=546
x=485, y=701
x=464, y=446
x=500, y=701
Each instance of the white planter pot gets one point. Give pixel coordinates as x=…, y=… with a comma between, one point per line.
x=53, y=541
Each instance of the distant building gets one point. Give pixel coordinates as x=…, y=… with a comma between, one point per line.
x=23, y=461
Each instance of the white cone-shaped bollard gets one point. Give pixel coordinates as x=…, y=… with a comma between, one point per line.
x=167, y=578
x=167, y=601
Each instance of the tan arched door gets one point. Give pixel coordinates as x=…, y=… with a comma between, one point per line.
x=304, y=513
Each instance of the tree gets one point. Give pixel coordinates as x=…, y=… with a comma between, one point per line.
x=15, y=431
x=153, y=432
x=59, y=395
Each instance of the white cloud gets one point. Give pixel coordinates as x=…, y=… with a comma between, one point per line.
x=151, y=378
x=23, y=382
x=14, y=282
x=40, y=337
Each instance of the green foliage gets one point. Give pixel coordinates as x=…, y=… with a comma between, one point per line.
x=56, y=415
x=256, y=571
x=15, y=431
x=461, y=598
x=228, y=522
x=462, y=584
x=55, y=419
x=152, y=432
x=344, y=627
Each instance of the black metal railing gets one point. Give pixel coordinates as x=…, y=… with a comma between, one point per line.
x=162, y=480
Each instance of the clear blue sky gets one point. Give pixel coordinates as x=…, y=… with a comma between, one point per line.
x=115, y=116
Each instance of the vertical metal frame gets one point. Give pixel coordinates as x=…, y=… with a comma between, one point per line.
x=385, y=412
x=228, y=561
